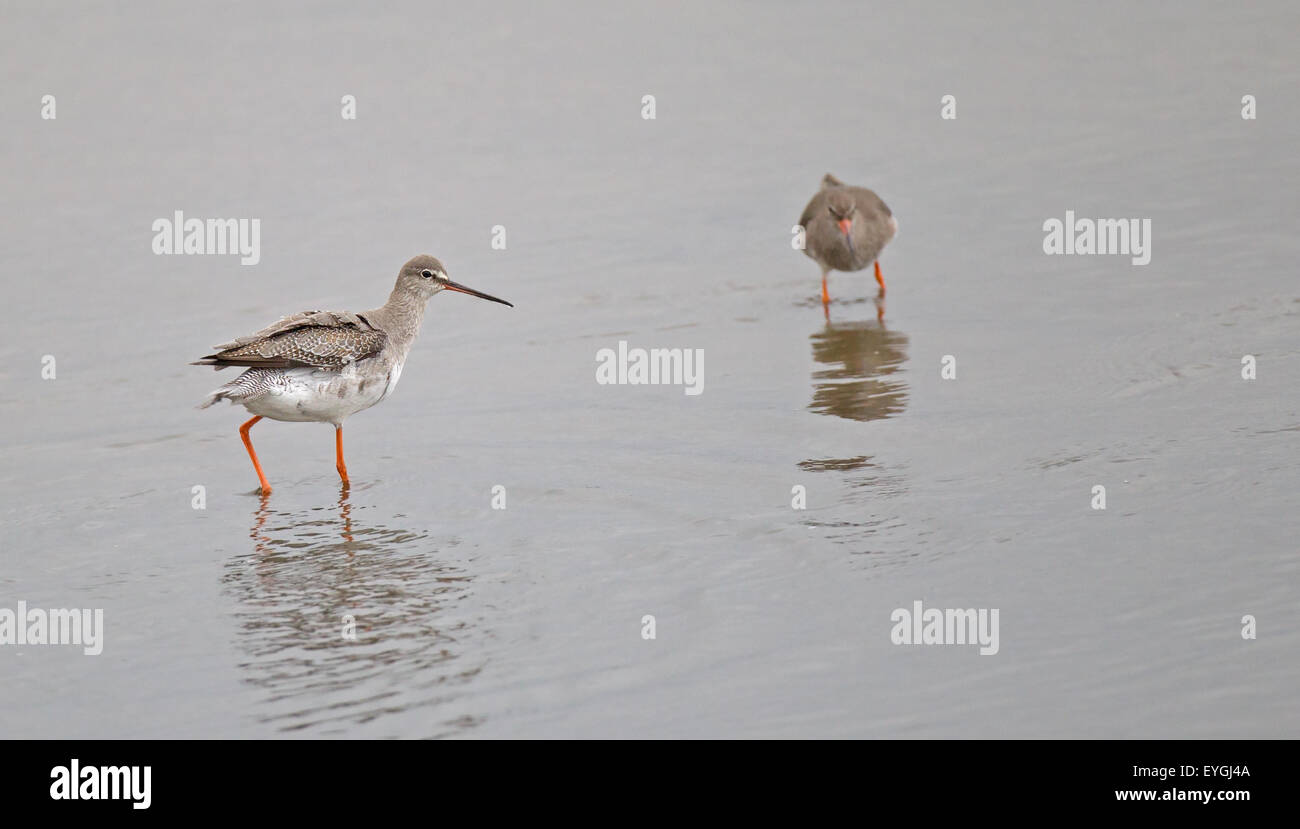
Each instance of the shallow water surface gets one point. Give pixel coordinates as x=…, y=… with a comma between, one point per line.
x=409, y=607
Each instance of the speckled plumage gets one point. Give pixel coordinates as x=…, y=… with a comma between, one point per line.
x=324, y=366
x=327, y=365
x=313, y=366
x=320, y=339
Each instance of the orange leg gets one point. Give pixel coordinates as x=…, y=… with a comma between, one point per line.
x=248, y=444
x=880, y=278
x=826, y=295
x=338, y=451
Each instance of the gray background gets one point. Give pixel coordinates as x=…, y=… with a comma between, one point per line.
x=623, y=500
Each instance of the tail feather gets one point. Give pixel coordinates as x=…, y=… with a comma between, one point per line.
x=245, y=388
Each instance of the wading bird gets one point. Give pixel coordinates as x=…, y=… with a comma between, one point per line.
x=845, y=228
x=324, y=366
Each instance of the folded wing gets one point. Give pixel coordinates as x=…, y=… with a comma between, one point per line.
x=319, y=339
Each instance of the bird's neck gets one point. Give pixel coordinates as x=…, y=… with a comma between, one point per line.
x=400, y=317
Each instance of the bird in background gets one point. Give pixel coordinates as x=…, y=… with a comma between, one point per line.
x=845, y=229
x=325, y=366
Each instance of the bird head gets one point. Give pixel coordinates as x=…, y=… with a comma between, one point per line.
x=425, y=276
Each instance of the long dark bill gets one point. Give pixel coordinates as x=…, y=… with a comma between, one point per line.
x=461, y=289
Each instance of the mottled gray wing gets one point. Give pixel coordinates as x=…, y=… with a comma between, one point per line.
x=321, y=339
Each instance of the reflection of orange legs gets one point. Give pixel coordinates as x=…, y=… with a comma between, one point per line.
x=338, y=451
x=248, y=444
x=880, y=309
x=880, y=278
x=345, y=512
x=259, y=539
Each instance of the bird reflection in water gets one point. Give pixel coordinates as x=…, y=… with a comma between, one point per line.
x=857, y=377
x=413, y=649
x=857, y=367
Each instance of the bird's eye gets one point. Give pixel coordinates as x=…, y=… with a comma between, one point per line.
x=427, y=274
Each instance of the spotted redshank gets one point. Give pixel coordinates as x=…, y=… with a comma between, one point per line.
x=845, y=228
x=324, y=366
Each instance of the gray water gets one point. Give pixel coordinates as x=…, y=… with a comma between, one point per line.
x=626, y=501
